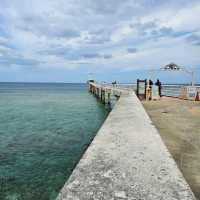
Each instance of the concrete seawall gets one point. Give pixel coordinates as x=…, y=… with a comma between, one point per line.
x=127, y=160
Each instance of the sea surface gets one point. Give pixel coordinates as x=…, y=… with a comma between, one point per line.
x=44, y=130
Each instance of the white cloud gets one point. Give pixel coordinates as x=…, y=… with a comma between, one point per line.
x=59, y=33
x=122, y=32
x=186, y=19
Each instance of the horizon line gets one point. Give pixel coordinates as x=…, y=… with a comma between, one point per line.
x=58, y=82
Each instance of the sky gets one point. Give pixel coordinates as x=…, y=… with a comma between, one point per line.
x=66, y=40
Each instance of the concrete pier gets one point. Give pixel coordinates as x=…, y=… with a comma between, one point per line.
x=127, y=160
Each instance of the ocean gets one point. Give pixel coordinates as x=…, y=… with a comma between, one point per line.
x=44, y=130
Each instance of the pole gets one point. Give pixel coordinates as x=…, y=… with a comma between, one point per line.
x=193, y=78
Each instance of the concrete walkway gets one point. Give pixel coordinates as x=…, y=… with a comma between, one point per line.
x=127, y=160
x=178, y=122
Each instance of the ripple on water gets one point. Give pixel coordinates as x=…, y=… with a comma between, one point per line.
x=44, y=130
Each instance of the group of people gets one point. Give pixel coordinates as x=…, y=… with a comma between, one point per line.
x=152, y=89
x=158, y=84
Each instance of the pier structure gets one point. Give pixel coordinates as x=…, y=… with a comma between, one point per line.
x=127, y=160
x=105, y=91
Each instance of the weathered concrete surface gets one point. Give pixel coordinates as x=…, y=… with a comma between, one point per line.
x=178, y=122
x=127, y=160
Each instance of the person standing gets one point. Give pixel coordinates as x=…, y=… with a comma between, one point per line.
x=159, y=84
x=150, y=83
x=149, y=90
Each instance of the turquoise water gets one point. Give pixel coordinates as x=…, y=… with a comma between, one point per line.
x=44, y=130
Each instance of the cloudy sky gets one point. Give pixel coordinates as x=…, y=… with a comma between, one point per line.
x=64, y=40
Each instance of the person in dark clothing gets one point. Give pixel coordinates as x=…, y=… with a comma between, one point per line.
x=159, y=84
x=150, y=89
x=114, y=83
x=150, y=83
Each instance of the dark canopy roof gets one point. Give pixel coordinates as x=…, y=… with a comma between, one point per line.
x=171, y=66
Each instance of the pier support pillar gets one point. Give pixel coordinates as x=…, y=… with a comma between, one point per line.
x=103, y=96
x=98, y=93
x=109, y=102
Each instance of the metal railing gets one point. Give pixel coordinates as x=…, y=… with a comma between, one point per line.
x=173, y=90
x=167, y=90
